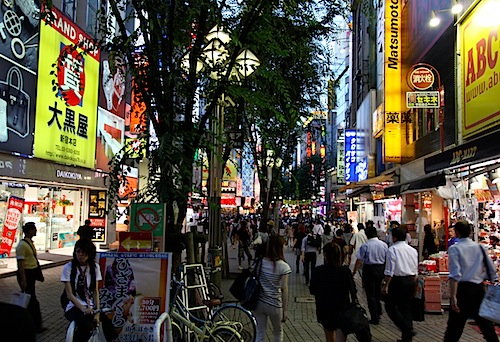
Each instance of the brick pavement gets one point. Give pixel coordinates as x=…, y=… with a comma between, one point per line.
x=301, y=325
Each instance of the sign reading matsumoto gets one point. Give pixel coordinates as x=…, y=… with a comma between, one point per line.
x=66, y=108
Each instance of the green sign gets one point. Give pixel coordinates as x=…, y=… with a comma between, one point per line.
x=149, y=217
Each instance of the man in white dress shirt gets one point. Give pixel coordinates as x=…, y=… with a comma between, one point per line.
x=401, y=267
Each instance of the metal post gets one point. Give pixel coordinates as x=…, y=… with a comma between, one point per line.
x=420, y=228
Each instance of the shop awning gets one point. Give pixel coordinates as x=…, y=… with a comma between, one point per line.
x=369, y=181
x=417, y=185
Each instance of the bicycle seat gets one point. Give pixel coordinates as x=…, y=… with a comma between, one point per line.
x=212, y=302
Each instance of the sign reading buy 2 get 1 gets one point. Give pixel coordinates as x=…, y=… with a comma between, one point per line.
x=67, y=99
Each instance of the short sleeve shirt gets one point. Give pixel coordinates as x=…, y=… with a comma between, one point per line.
x=24, y=251
x=270, y=280
x=66, y=277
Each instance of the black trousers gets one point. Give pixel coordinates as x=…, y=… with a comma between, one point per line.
x=372, y=282
x=34, y=305
x=398, y=304
x=469, y=297
x=309, y=264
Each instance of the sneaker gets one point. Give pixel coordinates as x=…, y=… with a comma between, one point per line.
x=240, y=268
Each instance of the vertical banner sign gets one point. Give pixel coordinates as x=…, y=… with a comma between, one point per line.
x=340, y=157
x=135, y=287
x=480, y=68
x=97, y=214
x=12, y=218
x=18, y=69
x=66, y=122
x=149, y=217
x=350, y=156
x=392, y=82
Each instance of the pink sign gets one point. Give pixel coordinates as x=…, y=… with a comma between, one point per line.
x=12, y=218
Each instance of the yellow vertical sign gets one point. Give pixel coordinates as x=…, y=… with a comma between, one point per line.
x=392, y=82
x=65, y=123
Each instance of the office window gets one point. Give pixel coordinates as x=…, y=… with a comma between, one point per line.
x=93, y=7
x=69, y=8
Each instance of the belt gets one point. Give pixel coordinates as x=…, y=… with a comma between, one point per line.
x=408, y=276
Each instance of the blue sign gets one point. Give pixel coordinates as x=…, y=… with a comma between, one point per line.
x=350, y=156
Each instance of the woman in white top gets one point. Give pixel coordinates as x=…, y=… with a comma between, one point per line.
x=273, y=295
x=80, y=277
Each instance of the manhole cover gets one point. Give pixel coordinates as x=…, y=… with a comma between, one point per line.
x=304, y=300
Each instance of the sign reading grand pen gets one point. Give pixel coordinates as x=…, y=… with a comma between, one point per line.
x=66, y=103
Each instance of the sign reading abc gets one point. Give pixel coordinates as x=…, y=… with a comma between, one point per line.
x=66, y=108
x=480, y=68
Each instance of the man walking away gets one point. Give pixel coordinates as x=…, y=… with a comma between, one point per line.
x=244, y=238
x=371, y=256
x=401, y=267
x=309, y=250
x=356, y=242
x=470, y=265
x=85, y=231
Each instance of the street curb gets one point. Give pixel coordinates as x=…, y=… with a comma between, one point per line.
x=50, y=265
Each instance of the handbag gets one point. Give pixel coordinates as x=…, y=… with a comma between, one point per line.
x=490, y=305
x=21, y=299
x=38, y=270
x=237, y=289
x=258, y=240
x=353, y=318
x=18, y=102
x=252, y=287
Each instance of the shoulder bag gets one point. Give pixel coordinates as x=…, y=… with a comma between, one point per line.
x=354, y=319
x=38, y=269
x=252, y=287
x=490, y=306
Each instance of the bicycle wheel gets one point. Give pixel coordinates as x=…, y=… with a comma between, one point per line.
x=224, y=334
x=238, y=318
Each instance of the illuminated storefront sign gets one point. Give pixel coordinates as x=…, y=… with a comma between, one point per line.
x=422, y=99
x=480, y=68
x=65, y=123
x=392, y=82
x=350, y=156
x=340, y=158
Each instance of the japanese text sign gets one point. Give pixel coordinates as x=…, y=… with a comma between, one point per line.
x=350, y=156
x=65, y=123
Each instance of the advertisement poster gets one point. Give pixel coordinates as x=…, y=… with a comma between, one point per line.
x=135, y=288
x=480, y=70
x=97, y=214
x=65, y=122
x=12, y=218
x=18, y=70
x=111, y=112
x=149, y=217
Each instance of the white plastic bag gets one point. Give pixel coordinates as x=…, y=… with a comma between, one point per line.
x=20, y=299
x=98, y=335
x=490, y=306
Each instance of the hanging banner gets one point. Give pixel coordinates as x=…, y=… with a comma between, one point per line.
x=136, y=288
x=18, y=69
x=12, y=218
x=392, y=82
x=65, y=124
x=340, y=157
x=480, y=68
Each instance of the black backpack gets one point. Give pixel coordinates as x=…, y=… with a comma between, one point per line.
x=314, y=240
x=64, y=298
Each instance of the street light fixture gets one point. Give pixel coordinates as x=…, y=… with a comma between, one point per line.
x=215, y=57
x=455, y=9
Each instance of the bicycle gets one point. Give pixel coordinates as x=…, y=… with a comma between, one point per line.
x=184, y=322
x=229, y=313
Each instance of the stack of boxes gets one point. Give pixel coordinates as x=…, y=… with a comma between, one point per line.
x=432, y=289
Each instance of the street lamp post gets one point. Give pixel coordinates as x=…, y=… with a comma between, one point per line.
x=215, y=57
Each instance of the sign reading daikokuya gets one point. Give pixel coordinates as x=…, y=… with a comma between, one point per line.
x=18, y=69
x=480, y=68
x=66, y=121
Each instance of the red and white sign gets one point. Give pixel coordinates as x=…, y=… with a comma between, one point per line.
x=421, y=78
x=12, y=218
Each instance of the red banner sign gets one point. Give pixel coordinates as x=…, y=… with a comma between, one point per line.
x=12, y=218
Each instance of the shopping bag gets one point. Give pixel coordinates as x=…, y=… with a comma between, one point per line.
x=97, y=335
x=490, y=306
x=237, y=289
x=20, y=299
x=17, y=102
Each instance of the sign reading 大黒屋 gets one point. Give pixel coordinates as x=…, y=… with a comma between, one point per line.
x=68, y=81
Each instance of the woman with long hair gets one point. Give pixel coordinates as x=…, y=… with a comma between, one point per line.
x=80, y=277
x=273, y=296
x=330, y=284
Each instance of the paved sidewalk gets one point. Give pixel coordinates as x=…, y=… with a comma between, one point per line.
x=301, y=325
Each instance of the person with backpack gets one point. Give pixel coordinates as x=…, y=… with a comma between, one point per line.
x=80, y=277
x=310, y=246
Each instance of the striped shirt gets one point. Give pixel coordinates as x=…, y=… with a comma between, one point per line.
x=270, y=281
